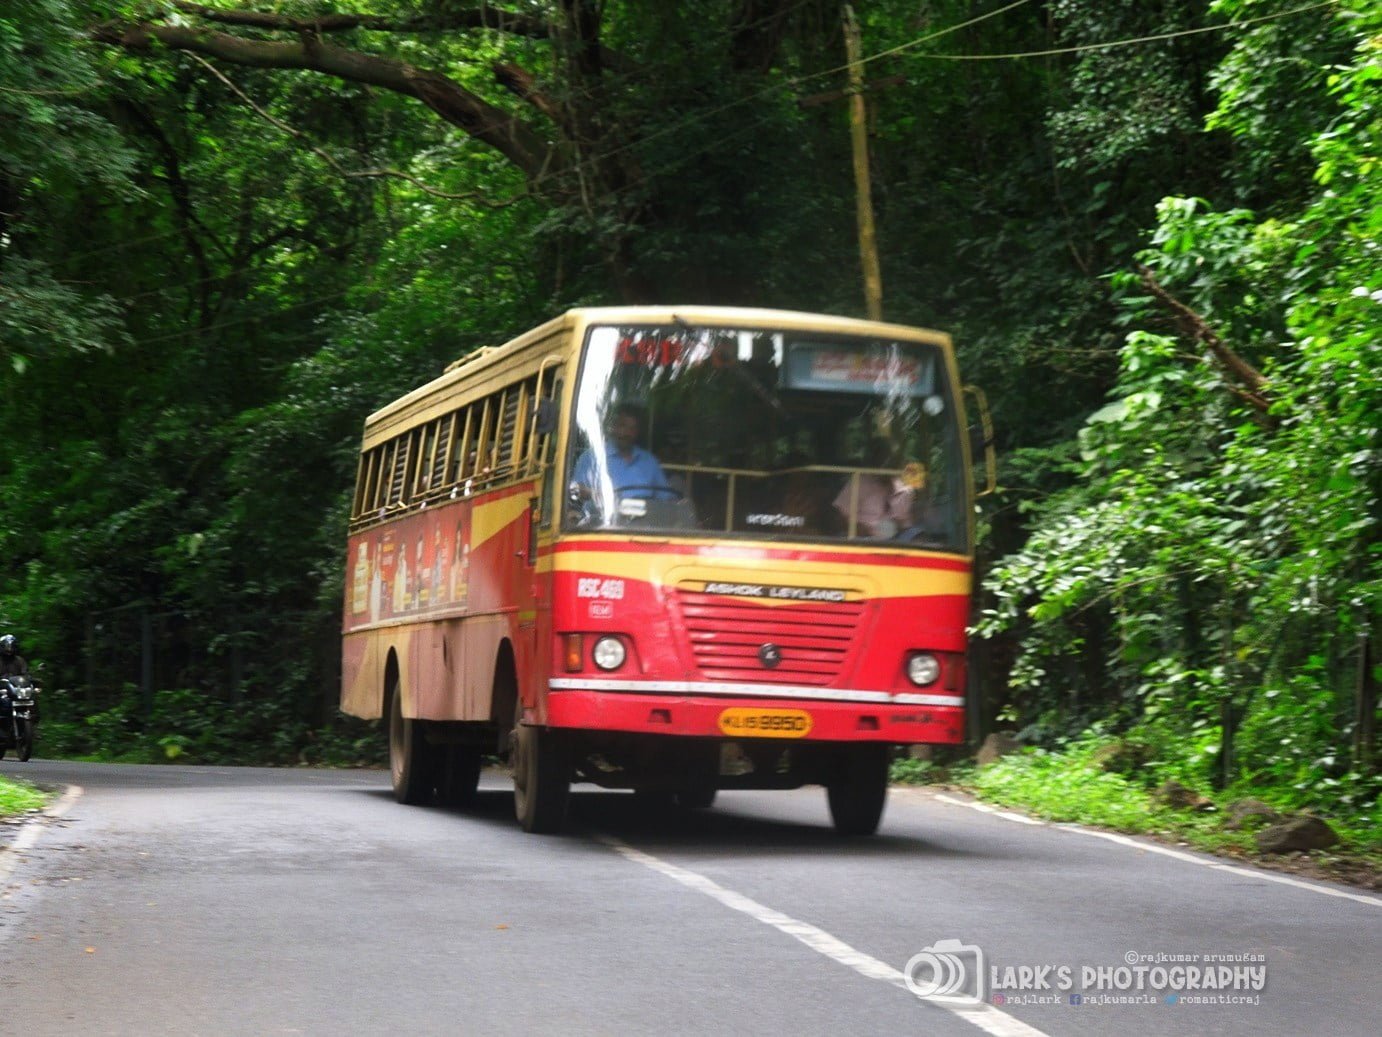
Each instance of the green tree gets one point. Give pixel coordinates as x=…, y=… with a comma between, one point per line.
x=54, y=144
x=1223, y=537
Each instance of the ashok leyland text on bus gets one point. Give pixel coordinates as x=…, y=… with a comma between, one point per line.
x=672, y=549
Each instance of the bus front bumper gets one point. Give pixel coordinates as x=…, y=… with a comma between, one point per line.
x=735, y=717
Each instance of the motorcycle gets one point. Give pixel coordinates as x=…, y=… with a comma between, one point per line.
x=18, y=716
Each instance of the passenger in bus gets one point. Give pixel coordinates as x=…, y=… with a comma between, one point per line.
x=886, y=501
x=798, y=495
x=884, y=506
x=628, y=465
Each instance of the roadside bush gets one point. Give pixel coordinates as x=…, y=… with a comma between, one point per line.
x=185, y=725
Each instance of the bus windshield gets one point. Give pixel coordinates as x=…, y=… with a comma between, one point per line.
x=766, y=433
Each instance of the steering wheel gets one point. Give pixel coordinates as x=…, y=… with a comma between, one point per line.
x=670, y=493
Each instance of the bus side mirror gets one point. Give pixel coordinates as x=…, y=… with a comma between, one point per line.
x=978, y=441
x=545, y=417
x=981, y=452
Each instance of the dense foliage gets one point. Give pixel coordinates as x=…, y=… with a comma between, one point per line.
x=1215, y=566
x=228, y=232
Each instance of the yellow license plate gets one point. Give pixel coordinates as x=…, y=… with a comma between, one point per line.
x=742, y=722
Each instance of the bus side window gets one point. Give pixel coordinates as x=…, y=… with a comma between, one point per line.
x=465, y=445
x=545, y=422
x=506, y=430
x=446, y=442
x=479, y=463
x=421, y=476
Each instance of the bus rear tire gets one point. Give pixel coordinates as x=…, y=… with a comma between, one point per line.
x=413, y=763
x=858, y=790
x=541, y=779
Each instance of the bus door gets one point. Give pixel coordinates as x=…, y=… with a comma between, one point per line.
x=535, y=611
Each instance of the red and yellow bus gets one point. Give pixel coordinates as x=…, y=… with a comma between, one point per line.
x=673, y=549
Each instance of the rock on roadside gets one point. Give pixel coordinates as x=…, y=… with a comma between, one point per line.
x=1297, y=833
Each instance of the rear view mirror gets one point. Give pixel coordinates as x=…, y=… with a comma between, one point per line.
x=978, y=441
x=545, y=417
x=981, y=452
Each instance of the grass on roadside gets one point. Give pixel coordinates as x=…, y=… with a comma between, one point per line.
x=1072, y=786
x=18, y=796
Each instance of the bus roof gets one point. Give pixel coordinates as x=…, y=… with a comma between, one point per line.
x=479, y=362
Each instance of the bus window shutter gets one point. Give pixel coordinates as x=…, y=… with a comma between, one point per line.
x=508, y=430
x=442, y=450
x=400, y=471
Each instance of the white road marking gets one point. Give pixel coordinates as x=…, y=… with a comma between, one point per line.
x=1166, y=851
x=32, y=829
x=1004, y=814
x=984, y=1016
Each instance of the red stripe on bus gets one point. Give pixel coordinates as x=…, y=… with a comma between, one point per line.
x=710, y=554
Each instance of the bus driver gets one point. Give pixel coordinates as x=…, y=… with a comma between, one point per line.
x=629, y=467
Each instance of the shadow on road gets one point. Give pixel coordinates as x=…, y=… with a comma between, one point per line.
x=725, y=828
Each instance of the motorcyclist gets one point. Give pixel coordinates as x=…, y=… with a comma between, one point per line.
x=12, y=664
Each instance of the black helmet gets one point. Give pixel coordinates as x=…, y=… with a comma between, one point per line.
x=8, y=645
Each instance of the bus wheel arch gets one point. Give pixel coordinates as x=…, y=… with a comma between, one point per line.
x=506, y=708
x=539, y=756
x=390, y=688
x=413, y=761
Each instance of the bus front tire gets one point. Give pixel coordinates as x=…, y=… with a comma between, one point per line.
x=541, y=779
x=858, y=789
x=413, y=763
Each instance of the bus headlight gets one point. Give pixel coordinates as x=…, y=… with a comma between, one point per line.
x=609, y=653
x=923, y=669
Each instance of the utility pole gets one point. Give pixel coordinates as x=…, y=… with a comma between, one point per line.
x=863, y=193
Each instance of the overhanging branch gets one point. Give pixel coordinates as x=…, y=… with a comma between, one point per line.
x=511, y=137
x=482, y=16
x=335, y=166
x=1243, y=380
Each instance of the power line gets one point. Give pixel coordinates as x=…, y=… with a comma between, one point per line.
x=48, y=93
x=120, y=247
x=588, y=164
x=1131, y=42
x=936, y=35
x=243, y=320
x=792, y=83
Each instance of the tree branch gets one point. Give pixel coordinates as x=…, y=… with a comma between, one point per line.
x=523, y=84
x=322, y=154
x=1251, y=386
x=483, y=16
x=758, y=28
x=187, y=218
x=509, y=136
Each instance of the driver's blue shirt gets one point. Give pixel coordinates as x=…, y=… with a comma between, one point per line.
x=640, y=470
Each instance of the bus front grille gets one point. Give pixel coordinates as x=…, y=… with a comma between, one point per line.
x=728, y=635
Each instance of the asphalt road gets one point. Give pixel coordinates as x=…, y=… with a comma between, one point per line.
x=179, y=900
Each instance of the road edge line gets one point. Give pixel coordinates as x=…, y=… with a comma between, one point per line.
x=34, y=827
x=1188, y=858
